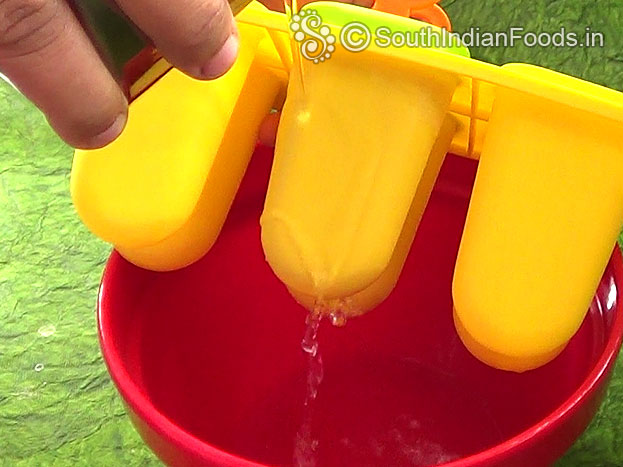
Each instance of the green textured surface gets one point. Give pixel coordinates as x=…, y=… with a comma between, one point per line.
x=68, y=412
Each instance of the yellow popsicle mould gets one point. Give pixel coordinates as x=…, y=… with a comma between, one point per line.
x=545, y=213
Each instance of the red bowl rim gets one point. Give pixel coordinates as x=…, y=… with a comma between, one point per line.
x=184, y=440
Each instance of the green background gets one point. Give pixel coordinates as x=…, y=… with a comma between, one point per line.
x=68, y=413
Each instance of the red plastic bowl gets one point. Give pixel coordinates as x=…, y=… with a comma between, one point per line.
x=208, y=359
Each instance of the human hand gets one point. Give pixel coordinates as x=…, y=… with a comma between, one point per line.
x=45, y=52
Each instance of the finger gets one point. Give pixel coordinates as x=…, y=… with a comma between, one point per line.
x=197, y=36
x=45, y=52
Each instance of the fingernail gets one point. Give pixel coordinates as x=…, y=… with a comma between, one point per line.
x=111, y=133
x=223, y=60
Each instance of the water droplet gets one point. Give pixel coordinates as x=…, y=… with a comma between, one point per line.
x=309, y=344
x=414, y=424
x=47, y=330
x=39, y=367
x=305, y=444
x=338, y=318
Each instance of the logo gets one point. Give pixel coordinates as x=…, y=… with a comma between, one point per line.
x=317, y=42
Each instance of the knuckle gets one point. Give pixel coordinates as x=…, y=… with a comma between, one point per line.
x=27, y=26
x=201, y=34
